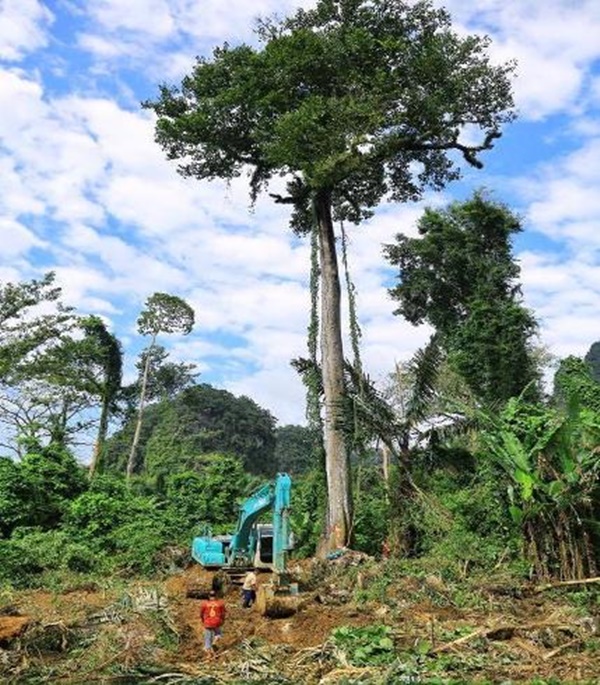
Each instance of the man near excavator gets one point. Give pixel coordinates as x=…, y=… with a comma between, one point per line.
x=212, y=613
x=249, y=589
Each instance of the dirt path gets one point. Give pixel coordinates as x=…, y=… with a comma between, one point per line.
x=308, y=628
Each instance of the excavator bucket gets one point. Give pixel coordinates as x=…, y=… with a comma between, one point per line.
x=277, y=601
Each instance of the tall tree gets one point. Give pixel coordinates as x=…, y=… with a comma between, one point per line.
x=54, y=365
x=24, y=328
x=106, y=349
x=82, y=368
x=353, y=101
x=163, y=313
x=461, y=277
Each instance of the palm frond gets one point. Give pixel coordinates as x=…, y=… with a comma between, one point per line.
x=425, y=366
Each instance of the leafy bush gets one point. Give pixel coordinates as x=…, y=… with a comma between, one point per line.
x=368, y=646
x=463, y=524
x=56, y=550
x=14, y=494
x=371, y=511
x=211, y=495
x=18, y=565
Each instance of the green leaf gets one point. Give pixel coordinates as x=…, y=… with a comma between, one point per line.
x=386, y=643
x=527, y=481
x=422, y=647
x=516, y=514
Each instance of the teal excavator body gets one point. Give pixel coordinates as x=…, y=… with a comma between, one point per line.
x=252, y=544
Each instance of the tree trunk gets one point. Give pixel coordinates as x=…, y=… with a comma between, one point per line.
x=101, y=437
x=138, y=424
x=385, y=465
x=339, y=509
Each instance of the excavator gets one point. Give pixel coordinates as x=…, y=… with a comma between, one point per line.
x=256, y=545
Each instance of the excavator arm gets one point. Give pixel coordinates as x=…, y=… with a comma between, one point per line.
x=238, y=552
x=239, y=547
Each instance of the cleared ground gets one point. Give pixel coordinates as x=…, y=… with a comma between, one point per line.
x=150, y=632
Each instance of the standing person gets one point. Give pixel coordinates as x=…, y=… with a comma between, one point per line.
x=249, y=589
x=212, y=613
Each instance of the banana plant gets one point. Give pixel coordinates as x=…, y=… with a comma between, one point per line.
x=551, y=460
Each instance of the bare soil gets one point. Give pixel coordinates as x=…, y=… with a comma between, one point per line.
x=101, y=634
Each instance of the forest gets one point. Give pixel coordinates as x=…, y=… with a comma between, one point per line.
x=445, y=519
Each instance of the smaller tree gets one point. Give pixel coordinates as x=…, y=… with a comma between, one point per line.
x=24, y=329
x=460, y=276
x=164, y=378
x=163, y=313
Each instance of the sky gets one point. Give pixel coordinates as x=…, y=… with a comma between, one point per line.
x=87, y=193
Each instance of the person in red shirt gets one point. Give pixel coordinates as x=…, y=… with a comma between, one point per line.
x=212, y=613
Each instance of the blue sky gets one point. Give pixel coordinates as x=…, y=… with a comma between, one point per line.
x=86, y=192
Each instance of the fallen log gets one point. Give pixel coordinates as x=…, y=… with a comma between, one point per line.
x=564, y=583
x=501, y=632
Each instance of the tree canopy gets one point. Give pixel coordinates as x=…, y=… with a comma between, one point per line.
x=461, y=277
x=346, y=98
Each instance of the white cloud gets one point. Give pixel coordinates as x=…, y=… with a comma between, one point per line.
x=23, y=27
x=16, y=240
x=150, y=17
x=564, y=203
x=555, y=43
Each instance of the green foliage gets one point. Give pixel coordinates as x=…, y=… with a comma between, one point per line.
x=550, y=460
x=295, y=448
x=107, y=505
x=210, y=495
x=23, y=333
x=18, y=564
x=460, y=277
x=462, y=525
x=574, y=383
x=343, y=97
x=128, y=529
x=308, y=511
x=368, y=646
x=138, y=543
x=165, y=313
x=200, y=420
x=592, y=359
x=371, y=510
x=51, y=477
x=14, y=495
x=165, y=379
x=57, y=550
